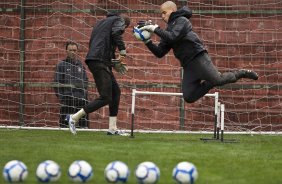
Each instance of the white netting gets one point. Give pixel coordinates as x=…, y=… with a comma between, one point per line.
x=237, y=34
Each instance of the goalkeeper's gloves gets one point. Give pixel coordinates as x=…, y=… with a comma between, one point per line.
x=150, y=28
x=142, y=23
x=119, y=66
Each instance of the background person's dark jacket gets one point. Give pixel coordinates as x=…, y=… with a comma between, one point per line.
x=72, y=73
x=105, y=38
x=179, y=36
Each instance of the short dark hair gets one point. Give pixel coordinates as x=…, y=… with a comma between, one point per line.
x=126, y=19
x=71, y=43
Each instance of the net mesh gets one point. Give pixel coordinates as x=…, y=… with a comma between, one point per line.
x=237, y=34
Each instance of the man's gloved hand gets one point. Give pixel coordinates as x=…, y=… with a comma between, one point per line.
x=142, y=23
x=150, y=28
x=119, y=66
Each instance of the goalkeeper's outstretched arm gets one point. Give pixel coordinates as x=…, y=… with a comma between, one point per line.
x=158, y=50
x=181, y=28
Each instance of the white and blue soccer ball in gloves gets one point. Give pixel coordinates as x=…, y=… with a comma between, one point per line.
x=141, y=35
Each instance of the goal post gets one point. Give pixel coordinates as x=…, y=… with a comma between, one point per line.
x=135, y=92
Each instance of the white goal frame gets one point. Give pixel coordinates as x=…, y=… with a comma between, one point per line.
x=218, y=108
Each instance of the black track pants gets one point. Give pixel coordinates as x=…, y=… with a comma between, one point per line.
x=200, y=76
x=108, y=89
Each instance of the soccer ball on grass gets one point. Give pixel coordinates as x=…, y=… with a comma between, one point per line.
x=80, y=171
x=147, y=173
x=48, y=171
x=116, y=171
x=15, y=171
x=185, y=173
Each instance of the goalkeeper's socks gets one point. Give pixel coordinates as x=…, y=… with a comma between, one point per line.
x=78, y=115
x=112, y=123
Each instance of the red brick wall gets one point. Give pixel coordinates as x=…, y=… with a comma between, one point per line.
x=251, y=39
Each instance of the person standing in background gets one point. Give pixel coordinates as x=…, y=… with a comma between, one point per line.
x=72, y=80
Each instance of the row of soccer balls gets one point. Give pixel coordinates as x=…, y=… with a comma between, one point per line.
x=116, y=172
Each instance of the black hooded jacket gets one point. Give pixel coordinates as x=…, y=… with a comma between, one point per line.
x=105, y=38
x=179, y=36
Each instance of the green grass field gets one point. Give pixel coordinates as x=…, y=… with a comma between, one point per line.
x=254, y=160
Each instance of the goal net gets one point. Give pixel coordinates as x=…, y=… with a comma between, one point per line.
x=237, y=34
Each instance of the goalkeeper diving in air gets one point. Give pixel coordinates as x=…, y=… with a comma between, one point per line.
x=200, y=75
x=106, y=39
